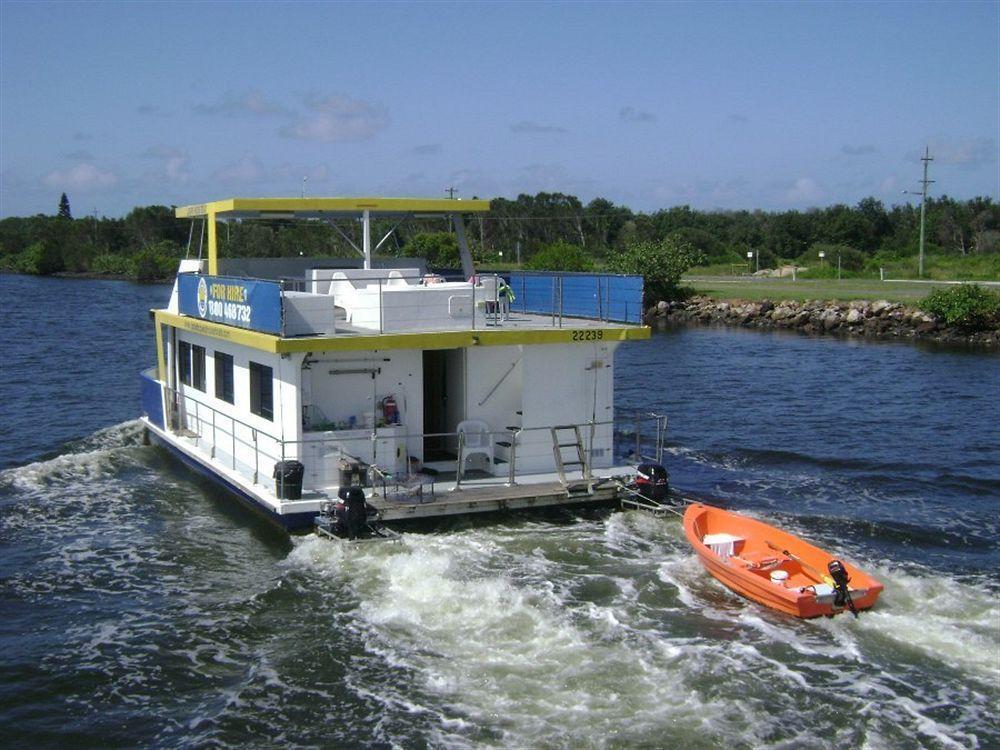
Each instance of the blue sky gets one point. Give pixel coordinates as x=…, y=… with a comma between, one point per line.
x=714, y=105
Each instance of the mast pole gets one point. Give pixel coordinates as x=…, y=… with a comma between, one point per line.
x=926, y=159
x=366, y=231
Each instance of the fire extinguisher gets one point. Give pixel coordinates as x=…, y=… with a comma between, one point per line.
x=390, y=413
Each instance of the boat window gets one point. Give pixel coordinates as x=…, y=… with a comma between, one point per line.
x=224, y=377
x=184, y=362
x=198, y=367
x=261, y=391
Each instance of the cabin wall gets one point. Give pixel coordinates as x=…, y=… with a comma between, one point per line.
x=566, y=384
x=339, y=386
x=257, y=445
x=493, y=391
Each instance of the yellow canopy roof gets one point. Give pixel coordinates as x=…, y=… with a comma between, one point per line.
x=329, y=207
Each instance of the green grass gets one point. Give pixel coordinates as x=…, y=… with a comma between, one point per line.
x=719, y=281
x=948, y=267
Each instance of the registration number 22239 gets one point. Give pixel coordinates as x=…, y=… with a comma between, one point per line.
x=592, y=335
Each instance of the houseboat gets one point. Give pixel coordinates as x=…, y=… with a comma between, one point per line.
x=291, y=380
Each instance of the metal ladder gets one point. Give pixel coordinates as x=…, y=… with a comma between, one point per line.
x=587, y=484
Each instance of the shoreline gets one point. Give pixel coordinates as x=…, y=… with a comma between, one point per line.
x=89, y=276
x=878, y=319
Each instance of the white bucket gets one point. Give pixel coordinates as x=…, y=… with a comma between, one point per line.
x=779, y=577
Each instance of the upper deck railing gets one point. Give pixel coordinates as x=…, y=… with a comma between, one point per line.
x=364, y=301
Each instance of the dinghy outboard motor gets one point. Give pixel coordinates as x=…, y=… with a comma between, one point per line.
x=840, y=577
x=652, y=482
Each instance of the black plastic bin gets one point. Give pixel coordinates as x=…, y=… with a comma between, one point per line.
x=288, y=479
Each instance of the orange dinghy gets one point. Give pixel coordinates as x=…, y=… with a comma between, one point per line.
x=775, y=568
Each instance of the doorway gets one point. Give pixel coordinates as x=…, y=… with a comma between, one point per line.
x=444, y=402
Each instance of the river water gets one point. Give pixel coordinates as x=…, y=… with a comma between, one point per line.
x=140, y=607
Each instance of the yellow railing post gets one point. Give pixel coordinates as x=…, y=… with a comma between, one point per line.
x=213, y=252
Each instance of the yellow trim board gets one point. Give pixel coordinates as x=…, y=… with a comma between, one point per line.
x=264, y=342
x=460, y=339
x=161, y=359
x=333, y=205
x=384, y=341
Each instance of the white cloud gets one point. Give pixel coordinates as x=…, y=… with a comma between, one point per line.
x=970, y=152
x=702, y=193
x=249, y=103
x=548, y=177
x=285, y=172
x=471, y=181
x=804, y=190
x=889, y=185
x=249, y=170
x=174, y=160
x=338, y=118
x=82, y=176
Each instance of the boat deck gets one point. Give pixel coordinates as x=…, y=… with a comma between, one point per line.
x=516, y=321
x=475, y=499
x=423, y=498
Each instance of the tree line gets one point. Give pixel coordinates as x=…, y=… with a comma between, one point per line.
x=546, y=229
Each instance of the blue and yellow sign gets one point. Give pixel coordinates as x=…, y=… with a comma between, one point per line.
x=244, y=303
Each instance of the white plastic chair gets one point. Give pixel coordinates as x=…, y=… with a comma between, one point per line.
x=478, y=441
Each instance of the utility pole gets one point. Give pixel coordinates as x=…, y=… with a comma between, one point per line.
x=451, y=192
x=926, y=159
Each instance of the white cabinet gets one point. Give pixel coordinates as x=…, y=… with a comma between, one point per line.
x=323, y=451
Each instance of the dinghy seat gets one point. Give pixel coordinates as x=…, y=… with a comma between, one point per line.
x=760, y=560
x=724, y=545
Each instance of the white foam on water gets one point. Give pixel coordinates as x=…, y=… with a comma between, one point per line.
x=518, y=656
x=86, y=461
x=495, y=627
x=951, y=621
x=506, y=653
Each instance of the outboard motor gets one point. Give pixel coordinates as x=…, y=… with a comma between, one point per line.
x=840, y=578
x=356, y=511
x=652, y=482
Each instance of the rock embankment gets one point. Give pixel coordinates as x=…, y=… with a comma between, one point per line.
x=882, y=319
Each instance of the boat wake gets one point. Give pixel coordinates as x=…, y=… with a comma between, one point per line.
x=94, y=457
x=608, y=633
x=166, y=605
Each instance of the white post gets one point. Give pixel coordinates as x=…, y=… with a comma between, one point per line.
x=367, y=238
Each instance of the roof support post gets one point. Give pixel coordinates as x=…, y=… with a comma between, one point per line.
x=366, y=223
x=468, y=270
x=213, y=251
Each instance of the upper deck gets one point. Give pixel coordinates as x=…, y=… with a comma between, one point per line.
x=319, y=304
x=356, y=309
